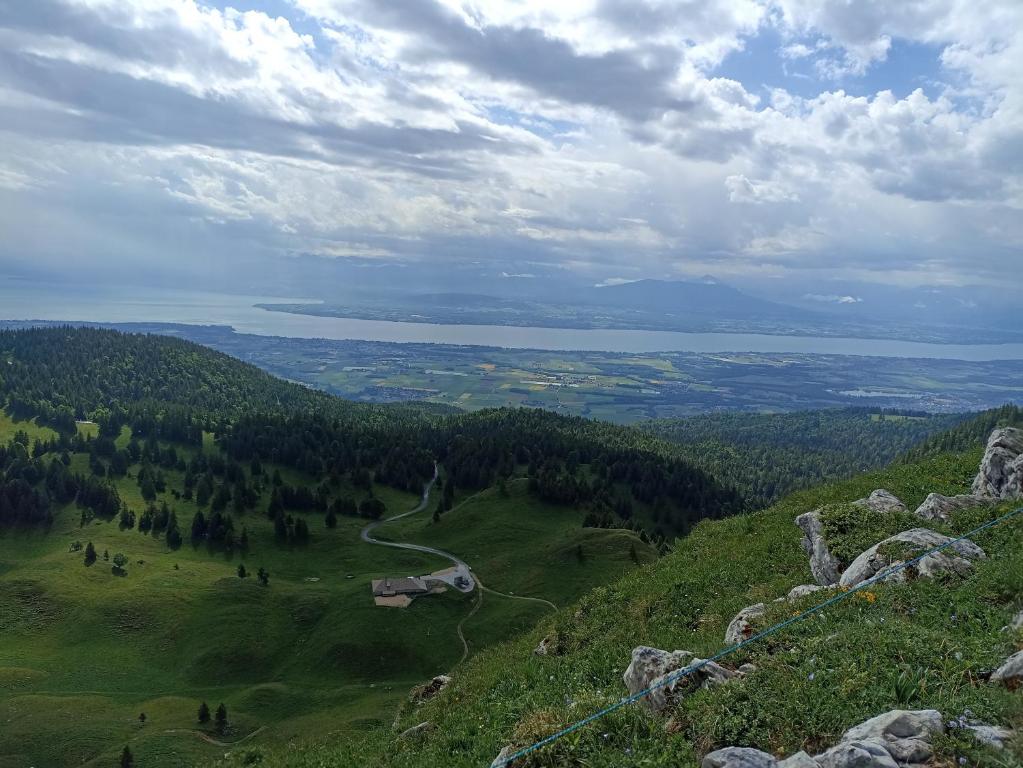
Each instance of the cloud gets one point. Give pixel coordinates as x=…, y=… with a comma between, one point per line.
x=599, y=137
x=832, y=298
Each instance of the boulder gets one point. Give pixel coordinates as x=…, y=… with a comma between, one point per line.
x=956, y=558
x=423, y=693
x=739, y=757
x=799, y=760
x=545, y=646
x=881, y=501
x=1010, y=674
x=823, y=565
x=938, y=507
x=741, y=628
x=650, y=666
x=856, y=754
x=905, y=734
x=1001, y=469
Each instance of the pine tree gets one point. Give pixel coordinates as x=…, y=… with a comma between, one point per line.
x=331, y=518
x=241, y=571
x=127, y=758
x=90, y=554
x=221, y=719
x=204, y=713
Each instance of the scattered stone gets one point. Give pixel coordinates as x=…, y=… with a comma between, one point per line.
x=799, y=760
x=544, y=647
x=905, y=734
x=741, y=628
x=1017, y=622
x=991, y=735
x=650, y=665
x=881, y=501
x=417, y=730
x=823, y=565
x=423, y=693
x=1010, y=674
x=1001, y=469
x=856, y=754
x=938, y=507
x=739, y=757
x=956, y=558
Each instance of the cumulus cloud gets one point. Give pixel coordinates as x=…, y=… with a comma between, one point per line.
x=598, y=136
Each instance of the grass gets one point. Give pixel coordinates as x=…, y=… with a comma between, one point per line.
x=925, y=643
x=83, y=652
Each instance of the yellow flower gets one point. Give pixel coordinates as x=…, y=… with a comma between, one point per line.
x=869, y=597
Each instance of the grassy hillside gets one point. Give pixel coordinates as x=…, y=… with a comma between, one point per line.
x=83, y=651
x=813, y=681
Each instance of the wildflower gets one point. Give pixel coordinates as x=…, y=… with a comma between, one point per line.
x=870, y=597
x=811, y=676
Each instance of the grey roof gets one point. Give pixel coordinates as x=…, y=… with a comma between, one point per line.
x=399, y=585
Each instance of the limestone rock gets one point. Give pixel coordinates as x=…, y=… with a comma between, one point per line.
x=739, y=757
x=417, y=730
x=649, y=667
x=823, y=565
x=938, y=507
x=856, y=754
x=799, y=760
x=544, y=647
x=905, y=734
x=423, y=693
x=991, y=735
x=802, y=591
x=956, y=558
x=1001, y=469
x=502, y=756
x=1010, y=674
x=741, y=628
x=881, y=501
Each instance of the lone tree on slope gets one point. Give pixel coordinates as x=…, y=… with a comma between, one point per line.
x=204, y=713
x=221, y=719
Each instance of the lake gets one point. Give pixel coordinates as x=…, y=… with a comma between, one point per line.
x=28, y=300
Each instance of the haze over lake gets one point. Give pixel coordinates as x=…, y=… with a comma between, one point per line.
x=28, y=300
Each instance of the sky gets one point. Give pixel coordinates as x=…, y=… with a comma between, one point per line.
x=608, y=140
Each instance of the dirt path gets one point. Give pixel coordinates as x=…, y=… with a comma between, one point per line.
x=210, y=740
x=461, y=568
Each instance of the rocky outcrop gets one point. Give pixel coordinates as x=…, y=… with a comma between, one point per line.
x=897, y=738
x=823, y=565
x=856, y=754
x=798, y=760
x=881, y=500
x=938, y=507
x=905, y=734
x=1001, y=469
x=741, y=628
x=902, y=546
x=650, y=667
x=1010, y=674
x=739, y=757
x=423, y=693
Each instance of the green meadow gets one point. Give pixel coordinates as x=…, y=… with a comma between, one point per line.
x=85, y=652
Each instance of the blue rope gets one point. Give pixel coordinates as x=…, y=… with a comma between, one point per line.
x=686, y=671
